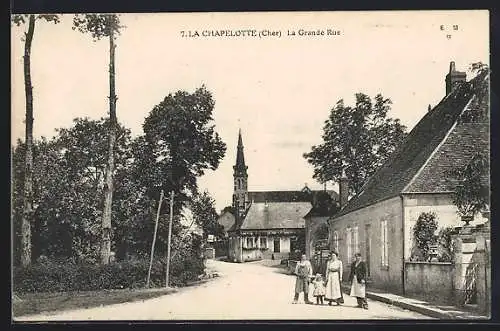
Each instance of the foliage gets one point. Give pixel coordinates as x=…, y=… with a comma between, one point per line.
x=357, y=140
x=66, y=276
x=229, y=209
x=180, y=143
x=98, y=25
x=205, y=215
x=424, y=234
x=444, y=240
x=68, y=181
x=20, y=19
x=298, y=244
x=471, y=194
x=478, y=67
x=68, y=187
x=324, y=204
x=322, y=232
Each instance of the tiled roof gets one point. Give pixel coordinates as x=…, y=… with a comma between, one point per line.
x=278, y=196
x=286, y=196
x=276, y=215
x=402, y=168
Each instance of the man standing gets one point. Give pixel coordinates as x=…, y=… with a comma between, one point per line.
x=303, y=272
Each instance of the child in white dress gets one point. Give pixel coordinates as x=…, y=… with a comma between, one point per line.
x=319, y=289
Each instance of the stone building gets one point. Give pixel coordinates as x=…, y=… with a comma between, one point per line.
x=378, y=221
x=326, y=204
x=267, y=224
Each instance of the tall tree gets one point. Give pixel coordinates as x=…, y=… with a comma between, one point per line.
x=356, y=140
x=205, y=215
x=68, y=181
x=27, y=218
x=180, y=143
x=101, y=26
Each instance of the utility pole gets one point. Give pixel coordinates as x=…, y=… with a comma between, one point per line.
x=154, y=239
x=169, y=235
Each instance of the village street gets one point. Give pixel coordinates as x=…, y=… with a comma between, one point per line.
x=243, y=291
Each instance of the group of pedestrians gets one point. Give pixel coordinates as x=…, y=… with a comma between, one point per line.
x=329, y=288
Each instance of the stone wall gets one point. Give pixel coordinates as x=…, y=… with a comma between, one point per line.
x=430, y=281
x=234, y=249
x=473, y=262
x=312, y=224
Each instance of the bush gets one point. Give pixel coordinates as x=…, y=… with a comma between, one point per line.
x=424, y=235
x=50, y=276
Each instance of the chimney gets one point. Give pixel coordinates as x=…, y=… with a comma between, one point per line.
x=343, y=190
x=429, y=108
x=453, y=78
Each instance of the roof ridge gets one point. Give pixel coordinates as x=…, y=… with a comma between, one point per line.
x=414, y=150
x=397, y=151
x=418, y=173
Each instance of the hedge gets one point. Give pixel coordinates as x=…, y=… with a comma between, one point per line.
x=66, y=277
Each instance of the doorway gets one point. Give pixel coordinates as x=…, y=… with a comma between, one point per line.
x=368, y=243
x=277, y=247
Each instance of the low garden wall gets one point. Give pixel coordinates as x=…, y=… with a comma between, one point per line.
x=432, y=281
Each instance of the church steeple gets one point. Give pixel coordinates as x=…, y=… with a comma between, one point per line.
x=240, y=180
x=240, y=156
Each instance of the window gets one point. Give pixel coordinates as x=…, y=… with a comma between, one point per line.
x=251, y=242
x=263, y=242
x=336, y=241
x=368, y=247
x=349, y=244
x=352, y=243
x=355, y=241
x=385, y=243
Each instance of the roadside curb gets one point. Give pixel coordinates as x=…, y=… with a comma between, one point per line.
x=428, y=311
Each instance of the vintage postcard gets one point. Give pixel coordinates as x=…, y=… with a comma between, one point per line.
x=251, y=166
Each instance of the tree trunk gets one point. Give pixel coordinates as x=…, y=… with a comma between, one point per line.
x=27, y=216
x=108, y=189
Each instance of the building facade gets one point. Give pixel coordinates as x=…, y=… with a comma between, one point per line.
x=267, y=224
x=378, y=222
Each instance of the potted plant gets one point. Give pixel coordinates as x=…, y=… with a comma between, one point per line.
x=471, y=194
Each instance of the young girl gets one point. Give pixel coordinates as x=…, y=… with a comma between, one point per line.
x=319, y=289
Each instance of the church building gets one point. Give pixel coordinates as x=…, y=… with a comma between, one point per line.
x=267, y=224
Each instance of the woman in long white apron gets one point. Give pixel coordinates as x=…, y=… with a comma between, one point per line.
x=333, y=277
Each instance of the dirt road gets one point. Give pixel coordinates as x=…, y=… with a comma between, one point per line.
x=244, y=291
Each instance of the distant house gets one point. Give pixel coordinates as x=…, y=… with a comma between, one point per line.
x=325, y=205
x=317, y=249
x=226, y=219
x=378, y=221
x=267, y=224
x=187, y=220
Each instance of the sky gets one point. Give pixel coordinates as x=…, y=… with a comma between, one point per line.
x=277, y=89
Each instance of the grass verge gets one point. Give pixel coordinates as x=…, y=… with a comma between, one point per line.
x=35, y=303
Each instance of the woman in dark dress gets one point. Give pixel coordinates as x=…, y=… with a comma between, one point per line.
x=358, y=279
